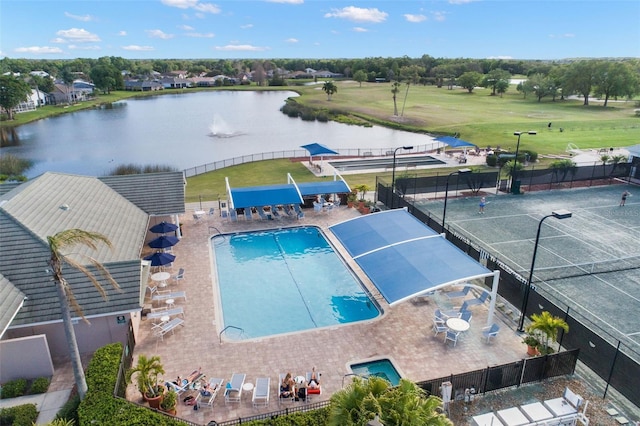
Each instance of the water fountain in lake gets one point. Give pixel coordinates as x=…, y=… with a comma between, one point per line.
x=220, y=129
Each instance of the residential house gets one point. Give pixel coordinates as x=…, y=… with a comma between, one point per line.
x=120, y=207
x=175, y=83
x=78, y=91
x=36, y=99
x=142, y=85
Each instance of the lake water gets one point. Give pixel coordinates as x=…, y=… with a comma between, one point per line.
x=183, y=130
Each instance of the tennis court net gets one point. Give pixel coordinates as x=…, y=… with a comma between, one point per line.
x=592, y=268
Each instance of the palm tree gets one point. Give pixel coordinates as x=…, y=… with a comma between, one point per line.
x=605, y=159
x=329, y=88
x=548, y=326
x=58, y=246
x=405, y=404
x=395, y=88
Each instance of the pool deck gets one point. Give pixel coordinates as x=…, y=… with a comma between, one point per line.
x=403, y=333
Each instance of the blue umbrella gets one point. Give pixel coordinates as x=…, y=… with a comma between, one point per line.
x=163, y=242
x=160, y=259
x=163, y=228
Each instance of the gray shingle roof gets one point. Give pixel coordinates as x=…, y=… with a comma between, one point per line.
x=158, y=194
x=54, y=202
x=12, y=300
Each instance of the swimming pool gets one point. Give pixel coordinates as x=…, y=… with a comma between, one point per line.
x=382, y=368
x=385, y=162
x=285, y=280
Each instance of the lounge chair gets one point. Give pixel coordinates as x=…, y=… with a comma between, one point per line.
x=167, y=327
x=261, y=392
x=224, y=214
x=311, y=391
x=247, y=213
x=466, y=315
x=478, y=300
x=262, y=214
x=215, y=384
x=233, y=215
x=490, y=332
x=233, y=390
x=178, y=388
x=283, y=399
x=162, y=312
x=211, y=211
x=456, y=294
x=287, y=210
x=275, y=212
x=317, y=207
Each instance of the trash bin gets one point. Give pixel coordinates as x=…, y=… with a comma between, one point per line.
x=515, y=187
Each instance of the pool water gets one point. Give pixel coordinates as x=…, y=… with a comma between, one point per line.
x=382, y=368
x=285, y=280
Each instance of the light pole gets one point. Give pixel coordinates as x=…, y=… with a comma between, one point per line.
x=559, y=214
x=446, y=191
x=514, y=173
x=393, y=172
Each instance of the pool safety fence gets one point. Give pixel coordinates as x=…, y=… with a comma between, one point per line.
x=503, y=376
x=301, y=408
x=614, y=357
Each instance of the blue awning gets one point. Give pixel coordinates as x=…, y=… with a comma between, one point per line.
x=318, y=149
x=453, y=142
x=403, y=257
x=258, y=196
x=329, y=187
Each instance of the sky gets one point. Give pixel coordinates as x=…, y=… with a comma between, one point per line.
x=319, y=29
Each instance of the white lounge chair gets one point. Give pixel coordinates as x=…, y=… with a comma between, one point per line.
x=233, y=389
x=179, y=389
x=215, y=384
x=167, y=327
x=313, y=391
x=261, y=392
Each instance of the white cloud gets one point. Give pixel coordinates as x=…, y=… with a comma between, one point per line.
x=246, y=26
x=567, y=35
x=439, y=16
x=137, y=48
x=78, y=35
x=286, y=1
x=186, y=27
x=240, y=48
x=200, y=35
x=192, y=4
x=85, y=18
x=360, y=30
x=122, y=33
x=38, y=49
x=414, y=18
x=358, y=14
x=291, y=40
x=58, y=40
x=76, y=47
x=159, y=34
x=461, y=1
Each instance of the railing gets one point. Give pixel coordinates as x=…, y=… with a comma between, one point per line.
x=228, y=327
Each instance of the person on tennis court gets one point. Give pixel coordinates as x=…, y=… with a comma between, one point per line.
x=623, y=200
x=483, y=202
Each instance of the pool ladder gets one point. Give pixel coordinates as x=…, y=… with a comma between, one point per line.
x=228, y=327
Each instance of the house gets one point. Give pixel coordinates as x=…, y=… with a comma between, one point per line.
x=120, y=207
x=78, y=91
x=174, y=83
x=142, y=85
x=35, y=99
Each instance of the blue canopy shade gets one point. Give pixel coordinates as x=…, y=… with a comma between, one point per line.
x=453, y=142
x=403, y=257
x=318, y=149
x=329, y=187
x=258, y=196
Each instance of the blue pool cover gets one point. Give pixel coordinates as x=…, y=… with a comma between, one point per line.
x=403, y=257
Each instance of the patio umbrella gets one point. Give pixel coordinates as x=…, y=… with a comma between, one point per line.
x=163, y=228
x=160, y=259
x=318, y=149
x=163, y=241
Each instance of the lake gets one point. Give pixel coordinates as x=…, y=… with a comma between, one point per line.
x=183, y=130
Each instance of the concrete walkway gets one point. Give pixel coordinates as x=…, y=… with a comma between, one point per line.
x=48, y=404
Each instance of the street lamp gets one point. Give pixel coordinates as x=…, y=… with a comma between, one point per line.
x=559, y=214
x=514, y=173
x=393, y=173
x=446, y=191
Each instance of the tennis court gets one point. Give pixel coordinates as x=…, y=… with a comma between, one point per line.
x=589, y=262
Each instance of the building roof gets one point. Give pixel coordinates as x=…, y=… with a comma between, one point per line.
x=54, y=202
x=12, y=300
x=158, y=194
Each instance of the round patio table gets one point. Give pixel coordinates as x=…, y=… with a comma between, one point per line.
x=458, y=324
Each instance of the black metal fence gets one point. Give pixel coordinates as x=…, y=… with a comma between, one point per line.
x=125, y=363
x=507, y=375
x=601, y=350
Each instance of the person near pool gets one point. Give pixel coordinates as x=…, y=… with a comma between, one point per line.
x=287, y=387
x=314, y=381
x=623, y=200
x=483, y=202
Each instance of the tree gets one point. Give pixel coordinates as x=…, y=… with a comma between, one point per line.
x=470, y=80
x=548, y=327
x=67, y=78
x=329, y=88
x=405, y=404
x=613, y=79
x=502, y=87
x=12, y=91
x=494, y=78
x=59, y=244
x=395, y=88
x=360, y=76
x=579, y=78
x=562, y=168
x=107, y=78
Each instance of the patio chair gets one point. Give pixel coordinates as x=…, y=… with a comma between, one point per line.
x=261, y=392
x=208, y=396
x=179, y=276
x=211, y=211
x=491, y=331
x=317, y=207
x=224, y=214
x=288, y=210
x=457, y=294
x=439, y=326
x=466, y=315
x=233, y=215
x=478, y=300
x=275, y=212
x=451, y=335
x=262, y=214
x=152, y=289
x=233, y=390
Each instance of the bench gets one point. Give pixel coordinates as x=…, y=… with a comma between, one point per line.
x=168, y=327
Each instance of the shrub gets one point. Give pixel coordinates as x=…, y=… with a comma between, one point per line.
x=39, y=385
x=20, y=415
x=69, y=411
x=311, y=418
x=137, y=169
x=492, y=160
x=14, y=388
